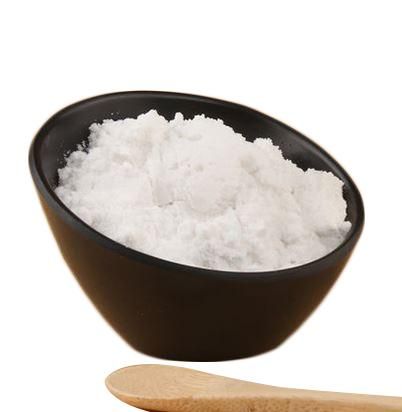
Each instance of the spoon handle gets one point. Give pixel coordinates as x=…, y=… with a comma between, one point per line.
x=316, y=401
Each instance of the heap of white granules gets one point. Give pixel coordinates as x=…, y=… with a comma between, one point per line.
x=195, y=192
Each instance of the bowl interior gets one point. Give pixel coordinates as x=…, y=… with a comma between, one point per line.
x=69, y=127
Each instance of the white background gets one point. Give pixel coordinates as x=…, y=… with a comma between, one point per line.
x=330, y=69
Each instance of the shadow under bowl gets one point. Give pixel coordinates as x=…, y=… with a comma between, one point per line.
x=166, y=309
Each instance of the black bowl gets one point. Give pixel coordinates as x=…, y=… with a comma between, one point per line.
x=175, y=311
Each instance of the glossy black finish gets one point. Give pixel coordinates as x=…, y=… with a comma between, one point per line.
x=170, y=310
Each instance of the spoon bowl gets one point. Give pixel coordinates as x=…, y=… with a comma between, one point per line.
x=175, y=311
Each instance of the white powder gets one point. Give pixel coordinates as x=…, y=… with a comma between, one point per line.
x=196, y=192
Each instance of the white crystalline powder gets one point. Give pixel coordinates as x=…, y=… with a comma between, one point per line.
x=195, y=192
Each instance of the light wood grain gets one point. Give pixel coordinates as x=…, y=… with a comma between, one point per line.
x=173, y=389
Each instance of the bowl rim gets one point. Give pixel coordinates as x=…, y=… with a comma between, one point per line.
x=73, y=220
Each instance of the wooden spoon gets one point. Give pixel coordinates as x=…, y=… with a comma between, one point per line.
x=172, y=389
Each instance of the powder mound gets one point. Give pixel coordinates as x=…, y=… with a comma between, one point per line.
x=195, y=192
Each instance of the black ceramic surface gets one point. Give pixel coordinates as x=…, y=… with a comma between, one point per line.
x=170, y=310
